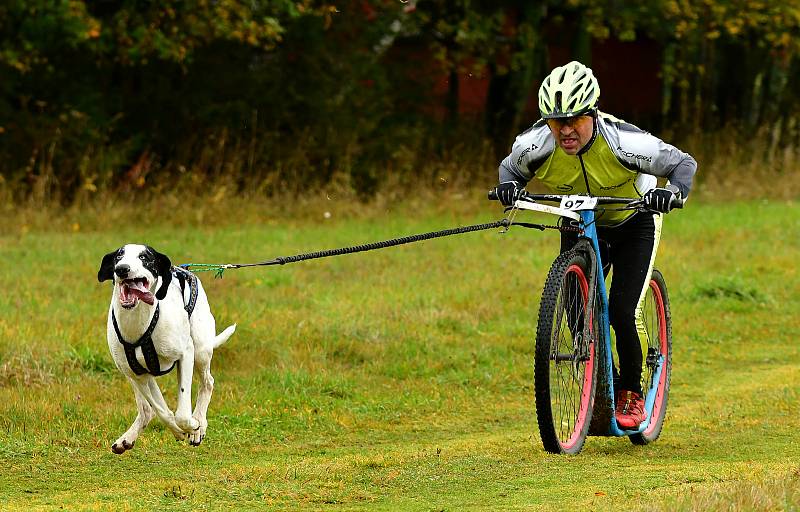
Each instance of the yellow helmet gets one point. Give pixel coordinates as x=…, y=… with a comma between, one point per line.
x=569, y=90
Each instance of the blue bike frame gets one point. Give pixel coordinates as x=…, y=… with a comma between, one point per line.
x=606, y=366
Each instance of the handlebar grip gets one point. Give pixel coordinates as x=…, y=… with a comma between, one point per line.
x=493, y=195
x=677, y=202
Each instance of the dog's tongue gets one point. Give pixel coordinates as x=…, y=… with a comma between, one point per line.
x=138, y=289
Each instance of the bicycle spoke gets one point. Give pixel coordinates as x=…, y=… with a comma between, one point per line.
x=565, y=370
x=568, y=360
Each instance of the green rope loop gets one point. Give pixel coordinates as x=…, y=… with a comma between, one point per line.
x=206, y=267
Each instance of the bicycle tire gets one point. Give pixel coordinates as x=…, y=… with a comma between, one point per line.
x=565, y=369
x=658, y=325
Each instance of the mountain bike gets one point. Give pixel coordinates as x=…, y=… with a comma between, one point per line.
x=574, y=368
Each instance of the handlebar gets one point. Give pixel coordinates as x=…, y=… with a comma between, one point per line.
x=677, y=202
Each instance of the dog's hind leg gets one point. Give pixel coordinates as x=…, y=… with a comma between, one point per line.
x=203, y=328
x=145, y=414
x=205, y=388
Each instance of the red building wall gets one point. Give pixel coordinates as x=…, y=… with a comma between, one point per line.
x=628, y=73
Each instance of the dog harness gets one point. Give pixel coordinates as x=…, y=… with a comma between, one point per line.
x=185, y=278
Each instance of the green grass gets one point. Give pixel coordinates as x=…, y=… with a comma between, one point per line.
x=394, y=379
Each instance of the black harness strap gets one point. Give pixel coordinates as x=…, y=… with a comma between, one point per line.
x=185, y=278
x=148, y=349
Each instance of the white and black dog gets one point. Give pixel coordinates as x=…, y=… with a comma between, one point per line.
x=159, y=318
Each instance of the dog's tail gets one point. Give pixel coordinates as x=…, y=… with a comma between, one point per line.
x=224, y=335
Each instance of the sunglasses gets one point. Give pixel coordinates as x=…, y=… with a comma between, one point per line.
x=557, y=123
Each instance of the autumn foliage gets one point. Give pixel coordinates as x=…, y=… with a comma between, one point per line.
x=129, y=93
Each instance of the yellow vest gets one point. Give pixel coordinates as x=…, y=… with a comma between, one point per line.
x=562, y=174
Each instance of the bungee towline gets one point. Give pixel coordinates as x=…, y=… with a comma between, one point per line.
x=218, y=268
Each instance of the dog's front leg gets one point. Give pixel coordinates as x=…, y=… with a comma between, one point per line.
x=149, y=389
x=128, y=439
x=183, y=414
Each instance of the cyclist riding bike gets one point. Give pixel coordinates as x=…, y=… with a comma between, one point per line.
x=576, y=149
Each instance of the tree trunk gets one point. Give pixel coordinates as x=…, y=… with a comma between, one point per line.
x=510, y=89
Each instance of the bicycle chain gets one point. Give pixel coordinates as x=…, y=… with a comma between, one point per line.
x=570, y=229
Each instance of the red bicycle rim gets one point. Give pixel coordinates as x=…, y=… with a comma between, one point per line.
x=662, y=338
x=586, y=388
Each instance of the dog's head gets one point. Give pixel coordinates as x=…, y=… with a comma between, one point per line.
x=135, y=270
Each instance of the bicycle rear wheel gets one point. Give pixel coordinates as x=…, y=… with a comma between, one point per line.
x=658, y=326
x=565, y=369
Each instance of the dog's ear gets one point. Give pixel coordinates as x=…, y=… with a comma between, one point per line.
x=106, y=271
x=164, y=268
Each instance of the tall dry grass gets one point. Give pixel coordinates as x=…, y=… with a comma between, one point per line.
x=226, y=184
x=779, y=492
x=739, y=164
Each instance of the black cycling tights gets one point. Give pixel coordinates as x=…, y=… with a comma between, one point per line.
x=628, y=249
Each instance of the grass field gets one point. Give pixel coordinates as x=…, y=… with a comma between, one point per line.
x=398, y=379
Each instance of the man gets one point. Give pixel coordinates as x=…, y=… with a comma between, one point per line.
x=576, y=149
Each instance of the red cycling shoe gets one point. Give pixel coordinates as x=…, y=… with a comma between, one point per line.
x=630, y=411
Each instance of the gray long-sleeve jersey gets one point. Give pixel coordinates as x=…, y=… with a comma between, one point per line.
x=622, y=160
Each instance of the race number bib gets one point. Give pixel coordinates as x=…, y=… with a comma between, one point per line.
x=576, y=203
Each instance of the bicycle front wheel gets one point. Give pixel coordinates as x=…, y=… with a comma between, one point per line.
x=658, y=362
x=565, y=370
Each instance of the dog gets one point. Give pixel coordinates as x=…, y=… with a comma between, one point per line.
x=160, y=319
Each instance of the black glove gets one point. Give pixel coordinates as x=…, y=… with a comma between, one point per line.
x=508, y=192
x=659, y=199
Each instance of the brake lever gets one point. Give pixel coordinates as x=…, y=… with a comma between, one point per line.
x=639, y=206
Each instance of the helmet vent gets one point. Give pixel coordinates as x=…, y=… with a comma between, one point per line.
x=572, y=104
